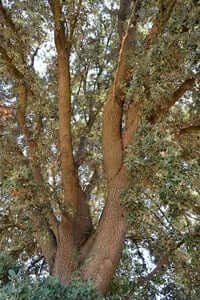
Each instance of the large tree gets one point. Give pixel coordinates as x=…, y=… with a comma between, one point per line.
x=74, y=192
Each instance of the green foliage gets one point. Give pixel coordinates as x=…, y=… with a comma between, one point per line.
x=47, y=289
x=6, y=263
x=163, y=205
x=17, y=285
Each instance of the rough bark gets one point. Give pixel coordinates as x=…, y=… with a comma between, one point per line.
x=69, y=176
x=104, y=256
x=65, y=253
x=75, y=225
x=65, y=243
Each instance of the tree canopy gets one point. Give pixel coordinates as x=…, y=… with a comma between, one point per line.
x=99, y=139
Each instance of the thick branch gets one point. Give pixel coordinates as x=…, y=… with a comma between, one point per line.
x=82, y=222
x=112, y=121
x=101, y=262
x=39, y=221
x=162, y=262
x=112, y=142
x=162, y=18
x=73, y=195
x=160, y=110
x=69, y=176
x=20, y=115
x=124, y=68
x=133, y=115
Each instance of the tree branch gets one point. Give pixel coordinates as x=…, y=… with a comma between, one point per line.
x=193, y=129
x=7, y=18
x=113, y=110
x=20, y=116
x=33, y=56
x=162, y=262
x=164, y=14
x=69, y=173
x=124, y=70
x=14, y=70
x=160, y=110
x=79, y=223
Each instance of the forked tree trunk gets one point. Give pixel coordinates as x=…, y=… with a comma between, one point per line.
x=96, y=255
x=102, y=254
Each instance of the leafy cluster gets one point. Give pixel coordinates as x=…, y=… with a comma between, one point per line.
x=17, y=285
x=163, y=202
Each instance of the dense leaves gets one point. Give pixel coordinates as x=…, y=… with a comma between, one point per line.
x=163, y=202
x=19, y=285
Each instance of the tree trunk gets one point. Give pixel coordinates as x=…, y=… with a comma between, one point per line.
x=66, y=251
x=99, y=253
x=104, y=256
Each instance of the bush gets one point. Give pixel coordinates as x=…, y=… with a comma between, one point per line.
x=6, y=263
x=16, y=285
x=47, y=289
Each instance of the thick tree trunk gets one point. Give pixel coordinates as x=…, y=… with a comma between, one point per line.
x=65, y=254
x=100, y=261
x=103, y=258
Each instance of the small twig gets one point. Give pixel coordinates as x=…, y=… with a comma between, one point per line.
x=33, y=56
